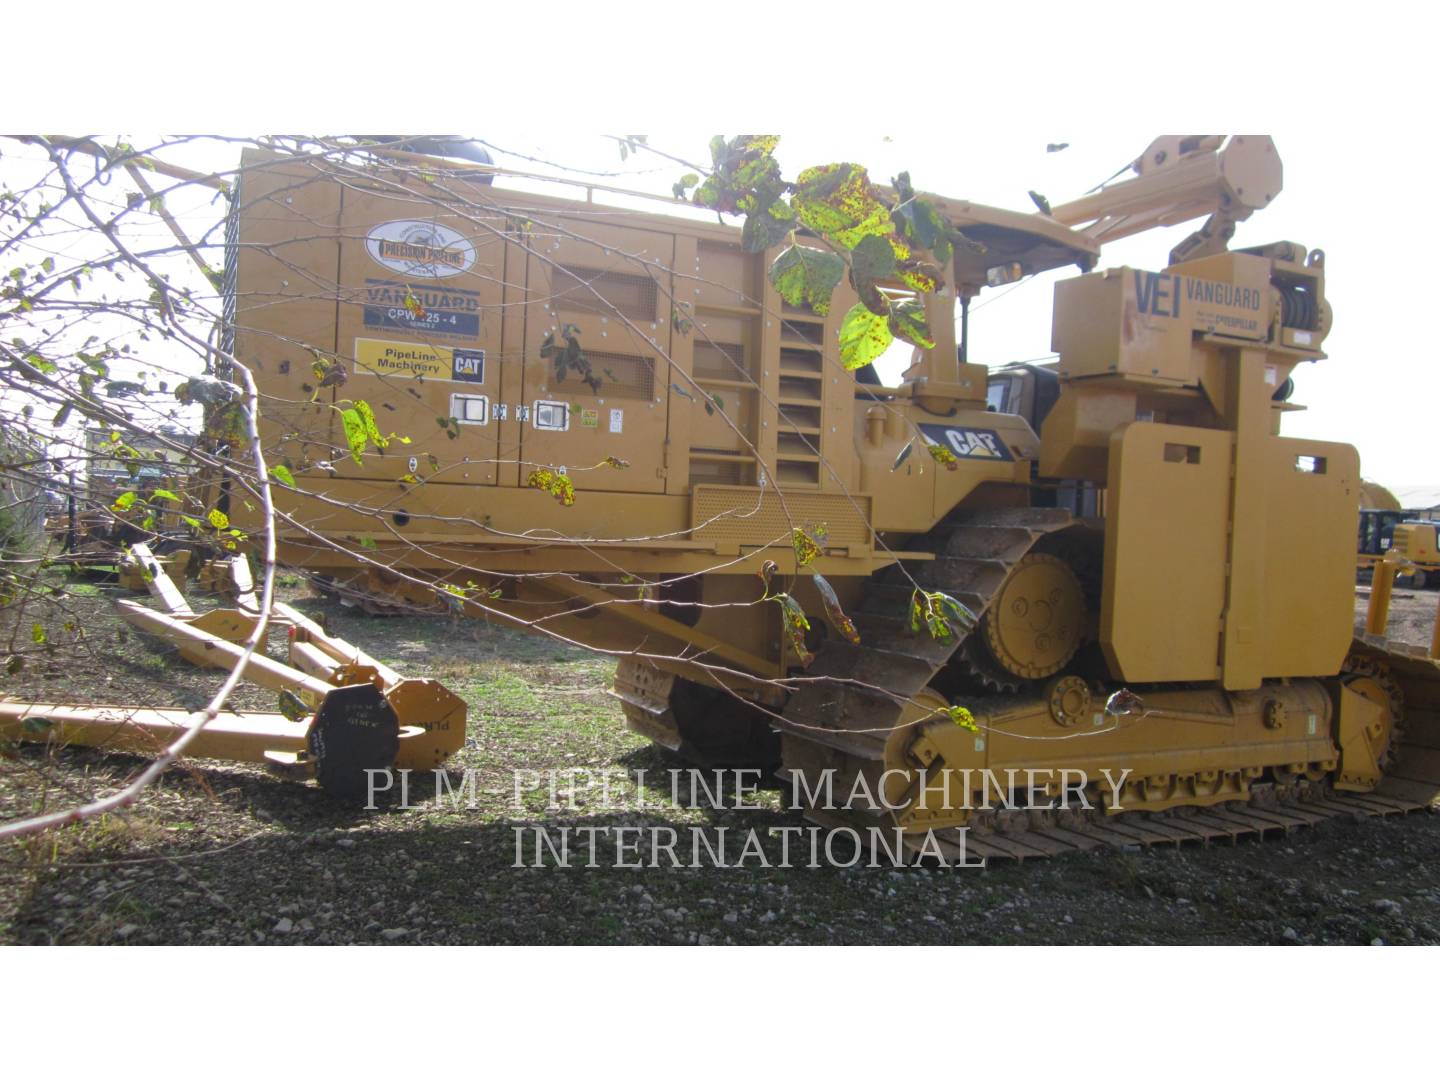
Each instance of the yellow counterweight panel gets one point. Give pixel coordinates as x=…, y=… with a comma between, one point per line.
x=1169, y=557
x=1165, y=552
x=1311, y=508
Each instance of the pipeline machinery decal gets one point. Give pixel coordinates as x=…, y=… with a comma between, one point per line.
x=411, y=360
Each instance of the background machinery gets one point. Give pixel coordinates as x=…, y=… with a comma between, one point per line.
x=615, y=423
x=1384, y=529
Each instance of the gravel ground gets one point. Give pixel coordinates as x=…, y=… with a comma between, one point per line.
x=226, y=854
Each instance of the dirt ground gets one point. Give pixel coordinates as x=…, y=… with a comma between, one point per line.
x=225, y=854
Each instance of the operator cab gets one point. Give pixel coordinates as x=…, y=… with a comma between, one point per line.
x=1377, y=530
x=1026, y=390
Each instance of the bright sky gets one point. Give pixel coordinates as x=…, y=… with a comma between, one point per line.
x=965, y=99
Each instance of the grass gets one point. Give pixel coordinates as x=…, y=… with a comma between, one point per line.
x=224, y=853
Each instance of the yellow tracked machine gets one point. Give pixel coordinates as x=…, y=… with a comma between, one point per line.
x=616, y=421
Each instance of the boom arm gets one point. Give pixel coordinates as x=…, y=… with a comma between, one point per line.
x=1181, y=178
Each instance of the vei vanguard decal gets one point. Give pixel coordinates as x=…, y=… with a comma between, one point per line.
x=420, y=249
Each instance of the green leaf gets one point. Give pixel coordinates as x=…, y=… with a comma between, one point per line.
x=124, y=501
x=839, y=202
x=291, y=705
x=872, y=262
x=807, y=544
x=47, y=264
x=282, y=474
x=37, y=634
x=763, y=230
x=940, y=613
x=962, y=717
x=834, y=613
x=684, y=184
x=795, y=624
x=355, y=434
x=63, y=414
x=919, y=222
x=194, y=523
x=368, y=543
x=218, y=520
x=863, y=337
x=907, y=321
x=806, y=277
x=367, y=414
x=161, y=493
x=920, y=276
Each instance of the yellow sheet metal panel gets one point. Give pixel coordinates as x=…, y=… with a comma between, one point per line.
x=1140, y=323
x=613, y=285
x=1122, y=322
x=1165, y=548
x=750, y=517
x=1311, y=500
x=285, y=294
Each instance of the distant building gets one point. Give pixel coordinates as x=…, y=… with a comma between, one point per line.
x=1420, y=501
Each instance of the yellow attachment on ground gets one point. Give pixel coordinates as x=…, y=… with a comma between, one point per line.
x=231, y=736
x=141, y=570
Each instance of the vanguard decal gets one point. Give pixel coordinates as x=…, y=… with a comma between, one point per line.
x=1161, y=294
x=443, y=311
x=420, y=249
x=967, y=442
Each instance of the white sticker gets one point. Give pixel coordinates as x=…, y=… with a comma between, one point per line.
x=420, y=249
x=617, y=421
x=1269, y=375
x=1302, y=337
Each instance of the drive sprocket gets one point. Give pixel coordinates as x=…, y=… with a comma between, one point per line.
x=1361, y=672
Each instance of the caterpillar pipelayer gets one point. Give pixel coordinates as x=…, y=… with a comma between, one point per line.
x=632, y=504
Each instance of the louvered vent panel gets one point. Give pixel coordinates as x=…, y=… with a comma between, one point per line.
x=604, y=292
x=620, y=375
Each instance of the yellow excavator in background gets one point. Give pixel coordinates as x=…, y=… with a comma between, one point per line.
x=1385, y=527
